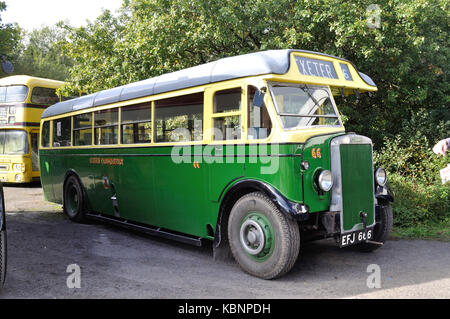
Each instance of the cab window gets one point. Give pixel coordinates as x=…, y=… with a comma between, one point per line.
x=227, y=117
x=259, y=123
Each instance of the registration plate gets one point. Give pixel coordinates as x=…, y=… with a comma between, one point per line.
x=356, y=237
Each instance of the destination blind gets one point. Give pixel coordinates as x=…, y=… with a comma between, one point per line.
x=315, y=67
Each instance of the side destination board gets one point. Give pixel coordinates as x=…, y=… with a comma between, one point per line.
x=315, y=67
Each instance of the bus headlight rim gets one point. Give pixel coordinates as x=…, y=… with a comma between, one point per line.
x=325, y=180
x=381, y=177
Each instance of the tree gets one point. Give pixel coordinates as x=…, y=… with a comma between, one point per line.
x=407, y=56
x=43, y=54
x=10, y=36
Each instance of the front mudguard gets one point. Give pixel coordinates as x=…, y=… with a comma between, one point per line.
x=384, y=194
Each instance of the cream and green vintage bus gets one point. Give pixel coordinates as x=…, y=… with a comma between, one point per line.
x=248, y=152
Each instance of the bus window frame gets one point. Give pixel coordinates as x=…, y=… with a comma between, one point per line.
x=117, y=142
x=210, y=92
x=170, y=96
x=82, y=128
x=269, y=108
x=71, y=132
x=145, y=104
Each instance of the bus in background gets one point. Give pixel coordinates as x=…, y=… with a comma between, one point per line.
x=22, y=101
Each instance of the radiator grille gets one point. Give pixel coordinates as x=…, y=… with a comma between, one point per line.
x=357, y=184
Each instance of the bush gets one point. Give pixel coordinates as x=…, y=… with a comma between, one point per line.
x=418, y=203
x=413, y=172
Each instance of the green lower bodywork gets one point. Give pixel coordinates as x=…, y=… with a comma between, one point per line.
x=151, y=188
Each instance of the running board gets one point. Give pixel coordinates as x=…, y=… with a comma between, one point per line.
x=155, y=231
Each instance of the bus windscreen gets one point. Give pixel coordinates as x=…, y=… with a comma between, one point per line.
x=13, y=142
x=13, y=93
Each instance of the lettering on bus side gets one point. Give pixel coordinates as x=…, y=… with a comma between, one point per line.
x=106, y=161
x=315, y=67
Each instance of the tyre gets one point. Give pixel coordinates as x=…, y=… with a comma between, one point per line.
x=73, y=199
x=263, y=241
x=3, y=257
x=381, y=230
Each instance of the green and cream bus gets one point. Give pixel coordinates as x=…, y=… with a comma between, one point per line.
x=248, y=152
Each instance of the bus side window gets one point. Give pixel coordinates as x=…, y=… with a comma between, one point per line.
x=228, y=126
x=45, y=134
x=136, y=122
x=259, y=123
x=82, y=129
x=179, y=119
x=62, y=129
x=106, y=126
x=46, y=96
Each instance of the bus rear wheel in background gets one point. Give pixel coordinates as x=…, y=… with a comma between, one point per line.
x=263, y=241
x=73, y=199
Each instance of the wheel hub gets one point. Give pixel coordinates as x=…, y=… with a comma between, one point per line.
x=252, y=237
x=256, y=236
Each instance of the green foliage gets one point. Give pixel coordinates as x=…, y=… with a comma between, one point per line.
x=43, y=56
x=413, y=170
x=410, y=158
x=10, y=36
x=417, y=203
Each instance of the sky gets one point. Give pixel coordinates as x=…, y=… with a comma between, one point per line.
x=32, y=14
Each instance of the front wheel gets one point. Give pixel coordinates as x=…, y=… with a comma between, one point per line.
x=263, y=241
x=382, y=229
x=73, y=199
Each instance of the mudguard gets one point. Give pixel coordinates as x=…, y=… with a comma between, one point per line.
x=384, y=193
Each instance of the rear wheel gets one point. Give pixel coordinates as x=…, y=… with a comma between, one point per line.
x=264, y=242
x=381, y=231
x=73, y=199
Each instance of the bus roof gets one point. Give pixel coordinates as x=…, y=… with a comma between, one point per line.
x=29, y=81
x=252, y=64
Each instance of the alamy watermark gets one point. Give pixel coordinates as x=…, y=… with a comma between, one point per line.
x=374, y=279
x=74, y=279
x=222, y=152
